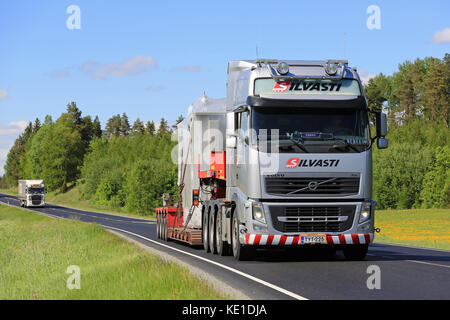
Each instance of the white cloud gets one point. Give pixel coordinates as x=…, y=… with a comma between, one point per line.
x=3, y=94
x=442, y=36
x=135, y=65
x=8, y=134
x=365, y=76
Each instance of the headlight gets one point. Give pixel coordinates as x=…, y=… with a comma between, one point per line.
x=258, y=212
x=365, y=213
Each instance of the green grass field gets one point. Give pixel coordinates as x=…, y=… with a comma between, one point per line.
x=35, y=252
x=418, y=227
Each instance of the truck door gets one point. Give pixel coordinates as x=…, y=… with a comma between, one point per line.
x=242, y=150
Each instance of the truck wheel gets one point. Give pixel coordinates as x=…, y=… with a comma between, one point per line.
x=164, y=228
x=212, y=233
x=240, y=252
x=223, y=248
x=356, y=252
x=205, y=230
x=158, y=226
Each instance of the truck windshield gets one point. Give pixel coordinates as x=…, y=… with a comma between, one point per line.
x=35, y=190
x=300, y=130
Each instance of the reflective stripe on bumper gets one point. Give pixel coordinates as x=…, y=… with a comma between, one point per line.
x=274, y=240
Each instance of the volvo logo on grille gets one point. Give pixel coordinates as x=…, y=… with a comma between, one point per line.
x=313, y=185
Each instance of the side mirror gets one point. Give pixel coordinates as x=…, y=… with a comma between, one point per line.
x=381, y=124
x=231, y=142
x=382, y=143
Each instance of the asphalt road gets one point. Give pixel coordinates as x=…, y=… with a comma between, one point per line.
x=405, y=272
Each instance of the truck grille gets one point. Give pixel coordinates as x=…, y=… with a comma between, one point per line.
x=298, y=219
x=312, y=186
x=36, y=199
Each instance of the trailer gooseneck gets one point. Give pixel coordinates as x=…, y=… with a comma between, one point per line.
x=284, y=160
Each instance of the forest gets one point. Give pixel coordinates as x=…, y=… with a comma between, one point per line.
x=129, y=166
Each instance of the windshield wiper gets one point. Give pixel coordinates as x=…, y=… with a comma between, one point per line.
x=299, y=144
x=346, y=144
x=298, y=141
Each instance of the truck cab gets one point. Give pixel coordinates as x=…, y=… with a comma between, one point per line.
x=31, y=193
x=300, y=158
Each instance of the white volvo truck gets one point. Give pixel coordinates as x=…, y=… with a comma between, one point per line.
x=31, y=193
x=284, y=160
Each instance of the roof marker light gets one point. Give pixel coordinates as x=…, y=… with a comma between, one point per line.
x=331, y=68
x=283, y=68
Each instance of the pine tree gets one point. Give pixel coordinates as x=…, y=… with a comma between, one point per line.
x=124, y=125
x=138, y=126
x=113, y=126
x=150, y=128
x=163, y=127
x=37, y=125
x=96, y=128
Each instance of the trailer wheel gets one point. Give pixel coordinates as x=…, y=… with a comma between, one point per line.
x=164, y=228
x=223, y=248
x=240, y=252
x=355, y=252
x=212, y=232
x=205, y=230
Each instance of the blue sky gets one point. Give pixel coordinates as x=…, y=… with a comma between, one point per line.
x=152, y=59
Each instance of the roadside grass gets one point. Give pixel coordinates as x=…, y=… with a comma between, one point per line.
x=417, y=227
x=35, y=252
x=72, y=198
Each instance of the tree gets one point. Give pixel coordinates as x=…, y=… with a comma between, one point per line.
x=113, y=126
x=124, y=125
x=138, y=126
x=96, y=128
x=436, y=88
x=37, y=125
x=436, y=185
x=150, y=128
x=163, y=127
x=62, y=154
x=406, y=89
x=48, y=120
x=74, y=112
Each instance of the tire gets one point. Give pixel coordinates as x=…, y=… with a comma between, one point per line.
x=356, y=252
x=240, y=252
x=205, y=228
x=212, y=232
x=158, y=227
x=222, y=247
x=164, y=229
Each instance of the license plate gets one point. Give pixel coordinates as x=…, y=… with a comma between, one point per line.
x=314, y=239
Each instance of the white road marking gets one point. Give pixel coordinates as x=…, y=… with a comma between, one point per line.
x=429, y=263
x=260, y=281
x=415, y=261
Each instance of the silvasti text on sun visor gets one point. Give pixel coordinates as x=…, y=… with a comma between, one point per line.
x=331, y=87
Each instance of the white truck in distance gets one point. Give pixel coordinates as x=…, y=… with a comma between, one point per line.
x=31, y=193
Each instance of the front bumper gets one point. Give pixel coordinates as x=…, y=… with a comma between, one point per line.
x=282, y=240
